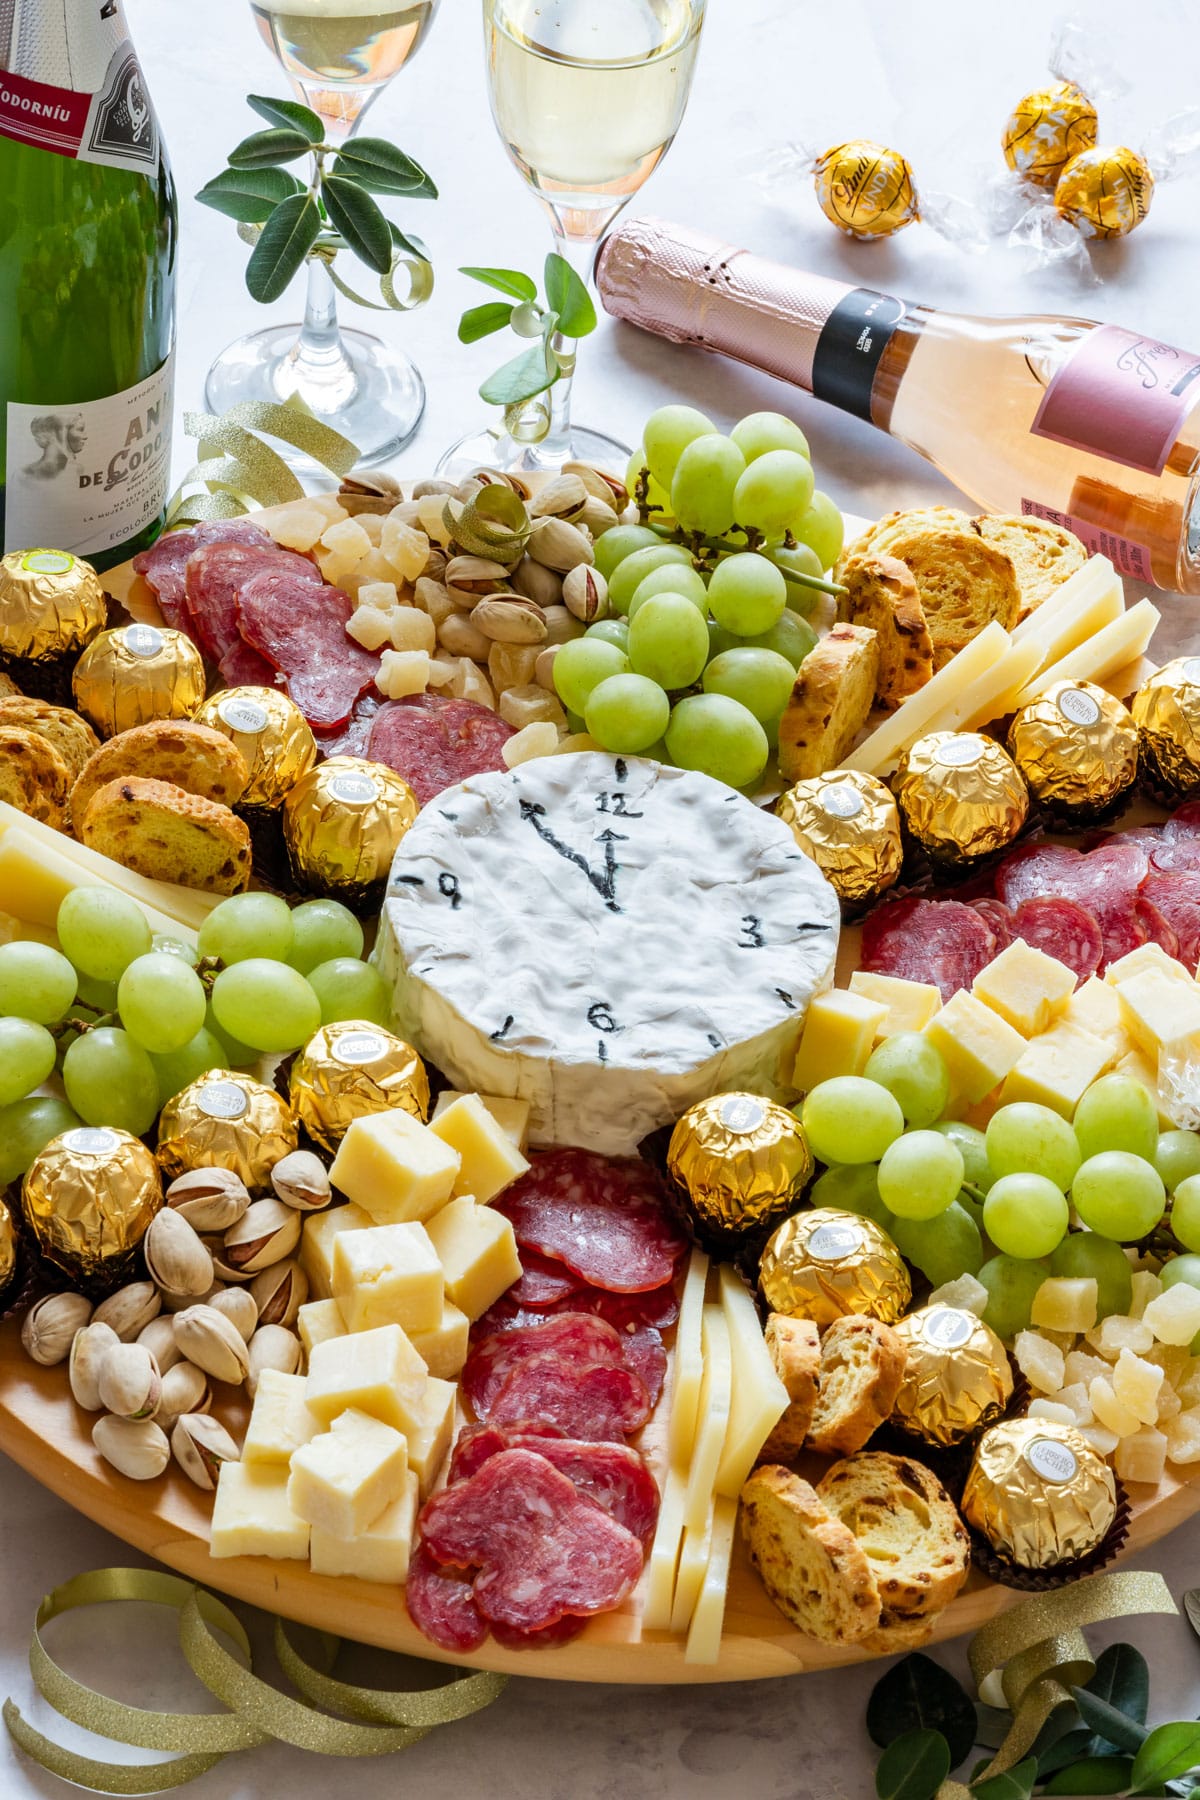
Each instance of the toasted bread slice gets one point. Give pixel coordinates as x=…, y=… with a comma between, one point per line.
x=1043, y=555
x=163, y=832
x=862, y=1366
x=34, y=776
x=895, y=1634
x=907, y=1526
x=190, y=756
x=918, y=518
x=830, y=702
x=812, y=1566
x=71, y=735
x=794, y=1346
x=963, y=581
x=8, y=687
x=882, y=595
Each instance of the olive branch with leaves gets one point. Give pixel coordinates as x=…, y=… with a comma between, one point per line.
x=557, y=322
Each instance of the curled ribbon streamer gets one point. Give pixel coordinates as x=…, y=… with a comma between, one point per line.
x=423, y=1707
x=236, y=471
x=420, y=283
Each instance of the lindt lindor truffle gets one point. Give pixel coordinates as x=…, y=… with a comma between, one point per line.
x=272, y=734
x=960, y=795
x=136, y=673
x=1166, y=711
x=1076, y=748
x=1039, y=1493
x=51, y=606
x=88, y=1199
x=822, y=1264
x=848, y=823
x=741, y=1161
x=352, y=1068
x=957, y=1375
x=1046, y=129
x=1105, y=192
x=341, y=825
x=865, y=189
x=226, y=1121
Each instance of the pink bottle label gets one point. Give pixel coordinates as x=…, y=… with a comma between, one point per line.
x=1121, y=396
x=1126, y=555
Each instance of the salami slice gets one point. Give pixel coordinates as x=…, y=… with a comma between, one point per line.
x=441, y=1603
x=1176, y=898
x=550, y=1637
x=213, y=579
x=1183, y=822
x=541, y=1549
x=943, y=941
x=1037, y=869
x=435, y=741
x=606, y=1218
x=243, y=667
x=1063, y=929
x=544, y=1282
x=351, y=738
x=1124, y=927
x=658, y=1307
x=645, y=1355
x=300, y=627
x=612, y=1475
x=998, y=920
x=600, y=1402
x=1179, y=855
x=162, y=566
x=1158, y=928
x=575, y=1339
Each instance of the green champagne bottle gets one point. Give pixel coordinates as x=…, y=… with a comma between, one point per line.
x=88, y=240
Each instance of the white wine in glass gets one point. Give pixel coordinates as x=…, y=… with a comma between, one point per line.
x=587, y=96
x=341, y=53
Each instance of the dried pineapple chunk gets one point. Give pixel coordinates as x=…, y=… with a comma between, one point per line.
x=1040, y=1361
x=346, y=539
x=1146, y=1287
x=369, y=627
x=411, y=629
x=964, y=1292
x=1112, y=1412
x=1183, y=1437
x=1136, y=1384
x=1115, y=1334
x=1187, y=1382
x=1100, y=1438
x=1051, y=1409
x=1173, y=1360
x=298, y=527
x=372, y=524
x=1074, y=1396
x=1064, y=1303
x=1174, y=1317
x=1169, y=1404
x=1083, y=1368
x=537, y=739
x=380, y=594
x=1141, y=1456
x=406, y=548
x=402, y=672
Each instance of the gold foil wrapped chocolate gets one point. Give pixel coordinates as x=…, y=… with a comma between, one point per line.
x=848, y=823
x=742, y=1161
x=341, y=825
x=51, y=604
x=136, y=673
x=1105, y=192
x=1046, y=129
x=865, y=189
x=1166, y=711
x=10, y=1252
x=272, y=734
x=352, y=1068
x=957, y=1375
x=226, y=1121
x=88, y=1198
x=1039, y=1493
x=1076, y=748
x=960, y=795
x=823, y=1264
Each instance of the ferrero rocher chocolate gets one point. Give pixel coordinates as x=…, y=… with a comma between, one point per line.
x=960, y=796
x=1046, y=129
x=137, y=673
x=1039, y=1493
x=10, y=1253
x=865, y=189
x=88, y=1198
x=226, y=1121
x=342, y=823
x=1105, y=192
x=350, y=1069
x=848, y=823
x=51, y=606
x=743, y=1163
x=1166, y=711
x=957, y=1375
x=272, y=734
x=823, y=1264
x=1076, y=748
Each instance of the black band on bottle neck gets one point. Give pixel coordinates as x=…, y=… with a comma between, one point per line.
x=852, y=340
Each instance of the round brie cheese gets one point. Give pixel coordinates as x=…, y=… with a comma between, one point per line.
x=607, y=939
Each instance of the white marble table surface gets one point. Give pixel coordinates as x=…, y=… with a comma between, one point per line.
x=936, y=78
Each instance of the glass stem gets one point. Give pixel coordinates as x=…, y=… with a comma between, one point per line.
x=556, y=445
x=317, y=367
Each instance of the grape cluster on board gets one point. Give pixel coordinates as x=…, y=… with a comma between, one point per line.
x=129, y=1019
x=697, y=659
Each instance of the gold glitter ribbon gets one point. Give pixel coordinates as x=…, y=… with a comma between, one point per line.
x=258, y=1712
x=235, y=471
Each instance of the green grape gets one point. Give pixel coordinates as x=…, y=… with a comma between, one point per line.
x=760, y=679
x=1084, y=1256
x=671, y=578
x=101, y=931
x=656, y=496
x=100, y=996
x=245, y=926
x=581, y=665
x=27, y=1055
x=719, y=737
x=747, y=594
x=1011, y=1283
x=970, y=1204
x=161, y=1001
x=173, y=946
x=669, y=431
x=632, y=570
x=1025, y=1215
x=348, y=989
x=1177, y=1157
x=1116, y=1113
x=944, y=1247
x=854, y=1188
x=1119, y=1195
x=269, y=1005
x=35, y=982
x=850, y=1120
x=799, y=560
x=1178, y=1268
x=237, y=1054
x=628, y=713
x=620, y=541
x=179, y=1068
x=761, y=432
x=610, y=631
x=703, y=485
x=911, y=1068
x=321, y=930
x=110, y=1080
x=1025, y=1138
x=668, y=642
x=26, y=1128
x=920, y=1174
x=1185, y=1210
x=774, y=489
x=822, y=528
x=790, y=636
x=977, y=1171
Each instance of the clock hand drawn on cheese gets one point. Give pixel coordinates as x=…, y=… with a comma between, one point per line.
x=607, y=939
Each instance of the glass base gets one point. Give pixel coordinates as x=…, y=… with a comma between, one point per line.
x=496, y=450
x=371, y=394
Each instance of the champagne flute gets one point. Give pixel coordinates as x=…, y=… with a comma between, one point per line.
x=587, y=96
x=339, y=55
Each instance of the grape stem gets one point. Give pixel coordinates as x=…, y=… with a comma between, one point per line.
x=707, y=551
x=81, y=1026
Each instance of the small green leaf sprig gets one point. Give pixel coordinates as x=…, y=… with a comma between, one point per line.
x=288, y=221
x=557, y=322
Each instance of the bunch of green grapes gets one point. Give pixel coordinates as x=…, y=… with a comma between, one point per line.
x=127, y=1019
x=707, y=596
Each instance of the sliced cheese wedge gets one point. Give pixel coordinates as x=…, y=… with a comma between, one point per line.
x=715, y=1392
x=995, y=693
x=708, y=1617
x=1080, y=591
x=693, y=1562
x=1066, y=631
x=664, y=1554
x=689, y=1362
x=188, y=906
x=758, y=1399
x=880, y=753
x=1112, y=647
x=35, y=878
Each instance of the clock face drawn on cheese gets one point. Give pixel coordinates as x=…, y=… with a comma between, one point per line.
x=605, y=937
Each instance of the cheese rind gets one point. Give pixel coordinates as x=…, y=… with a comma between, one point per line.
x=376, y=1372
x=252, y=1516
x=976, y=1044
x=839, y=1033
x=388, y=1275
x=280, y=1419
x=394, y=1168
x=478, y=1253
x=909, y=1004
x=758, y=1398
x=379, y=1553
x=317, y=1240
x=1025, y=986
x=343, y=1479
x=489, y=1161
